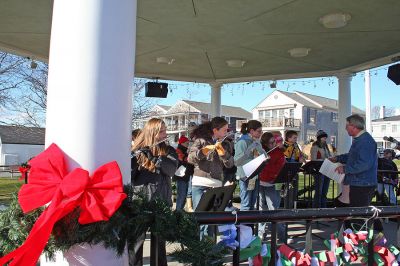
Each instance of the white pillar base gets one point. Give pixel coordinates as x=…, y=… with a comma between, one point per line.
x=83, y=255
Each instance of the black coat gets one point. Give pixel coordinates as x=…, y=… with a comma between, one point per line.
x=158, y=183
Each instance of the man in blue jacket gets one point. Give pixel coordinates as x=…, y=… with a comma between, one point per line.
x=361, y=163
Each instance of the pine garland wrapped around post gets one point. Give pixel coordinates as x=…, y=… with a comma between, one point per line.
x=134, y=217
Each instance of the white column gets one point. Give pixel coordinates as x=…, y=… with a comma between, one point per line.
x=367, y=87
x=89, y=98
x=215, y=99
x=344, y=110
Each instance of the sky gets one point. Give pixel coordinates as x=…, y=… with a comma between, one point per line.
x=248, y=95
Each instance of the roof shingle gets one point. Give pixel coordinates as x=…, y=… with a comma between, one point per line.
x=22, y=135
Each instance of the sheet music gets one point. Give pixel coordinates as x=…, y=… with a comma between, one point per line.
x=328, y=169
x=251, y=166
x=180, y=171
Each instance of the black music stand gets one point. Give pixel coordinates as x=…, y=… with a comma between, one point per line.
x=286, y=175
x=216, y=199
x=310, y=168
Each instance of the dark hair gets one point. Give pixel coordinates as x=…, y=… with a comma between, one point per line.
x=392, y=153
x=265, y=139
x=289, y=134
x=319, y=143
x=251, y=124
x=205, y=130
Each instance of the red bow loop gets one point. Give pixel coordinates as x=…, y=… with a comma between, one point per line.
x=105, y=184
x=46, y=173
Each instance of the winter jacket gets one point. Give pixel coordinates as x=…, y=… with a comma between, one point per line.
x=158, y=183
x=211, y=165
x=318, y=153
x=246, y=149
x=292, y=152
x=273, y=167
x=361, y=162
x=389, y=165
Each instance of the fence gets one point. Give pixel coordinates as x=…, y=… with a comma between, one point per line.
x=10, y=169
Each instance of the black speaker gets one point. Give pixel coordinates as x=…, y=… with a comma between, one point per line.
x=156, y=89
x=394, y=73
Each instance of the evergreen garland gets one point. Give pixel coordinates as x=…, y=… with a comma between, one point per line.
x=130, y=221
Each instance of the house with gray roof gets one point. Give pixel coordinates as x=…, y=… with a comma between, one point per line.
x=184, y=113
x=302, y=112
x=18, y=144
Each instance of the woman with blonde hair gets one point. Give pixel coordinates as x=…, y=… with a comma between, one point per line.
x=153, y=164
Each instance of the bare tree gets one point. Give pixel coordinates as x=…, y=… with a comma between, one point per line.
x=23, y=92
x=10, y=67
x=376, y=112
x=141, y=105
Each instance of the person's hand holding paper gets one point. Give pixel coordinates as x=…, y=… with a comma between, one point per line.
x=340, y=169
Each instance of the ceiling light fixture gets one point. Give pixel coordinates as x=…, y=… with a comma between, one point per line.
x=33, y=65
x=235, y=63
x=299, y=52
x=165, y=60
x=335, y=20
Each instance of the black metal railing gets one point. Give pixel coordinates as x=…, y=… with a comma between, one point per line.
x=308, y=215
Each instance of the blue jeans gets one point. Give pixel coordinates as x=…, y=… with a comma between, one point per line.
x=248, y=198
x=321, y=190
x=181, y=191
x=270, y=199
x=389, y=188
x=197, y=192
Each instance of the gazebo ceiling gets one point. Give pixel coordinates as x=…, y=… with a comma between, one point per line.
x=193, y=39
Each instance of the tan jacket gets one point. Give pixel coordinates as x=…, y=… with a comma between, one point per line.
x=211, y=165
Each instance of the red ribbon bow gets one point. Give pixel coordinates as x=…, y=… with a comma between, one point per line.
x=23, y=171
x=98, y=197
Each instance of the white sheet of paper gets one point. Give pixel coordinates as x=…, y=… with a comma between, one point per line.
x=180, y=171
x=251, y=166
x=328, y=169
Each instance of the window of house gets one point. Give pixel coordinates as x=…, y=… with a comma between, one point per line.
x=311, y=116
x=267, y=113
x=383, y=128
x=394, y=128
x=281, y=113
x=274, y=113
x=261, y=114
x=334, y=117
x=291, y=113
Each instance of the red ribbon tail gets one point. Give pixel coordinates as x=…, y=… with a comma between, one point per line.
x=29, y=252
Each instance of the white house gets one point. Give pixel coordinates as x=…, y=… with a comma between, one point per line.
x=183, y=113
x=19, y=144
x=386, y=126
x=302, y=112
